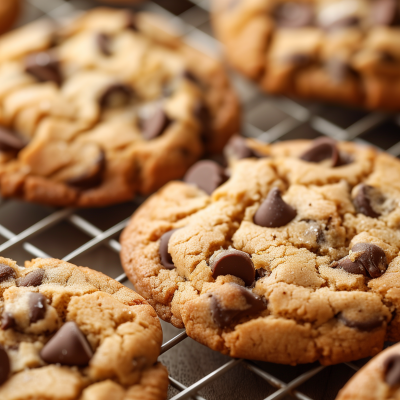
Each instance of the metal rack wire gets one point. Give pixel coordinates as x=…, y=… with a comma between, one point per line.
x=80, y=232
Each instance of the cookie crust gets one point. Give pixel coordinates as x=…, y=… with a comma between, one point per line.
x=315, y=310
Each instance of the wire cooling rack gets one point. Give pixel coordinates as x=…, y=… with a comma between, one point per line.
x=89, y=237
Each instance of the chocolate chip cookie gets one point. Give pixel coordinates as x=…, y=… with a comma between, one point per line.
x=291, y=255
x=377, y=380
x=9, y=10
x=343, y=51
x=106, y=106
x=72, y=333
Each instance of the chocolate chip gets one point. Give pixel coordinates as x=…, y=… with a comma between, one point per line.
x=37, y=307
x=391, y=367
x=370, y=260
x=274, y=211
x=223, y=317
x=234, y=262
x=261, y=273
x=190, y=76
x=7, y=321
x=340, y=23
x=4, y=365
x=352, y=267
x=166, y=259
x=116, y=95
x=35, y=278
x=9, y=141
x=386, y=57
x=338, y=69
x=372, y=257
x=103, y=42
x=44, y=66
x=67, y=347
x=362, y=201
x=207, y=175
x=131, y=21
x=202, y=113
x=298, y=59
x=385, y=12
x=238, y=149
x=6, y=272
x=293, y=15
x=322, y=149
x=365, y=326
x=92, y=177
x=156, y=125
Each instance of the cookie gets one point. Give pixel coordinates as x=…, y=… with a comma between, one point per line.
x=379, y=379
x=71, y=333
x=9, y=10
x=334, y=50
x=109, y=105
x=294, y=259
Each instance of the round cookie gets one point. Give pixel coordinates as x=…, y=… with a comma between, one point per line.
x=379, y=379
x=294, y=259
x=335, y=50
x=9, y=10
x=109, y=105
x=71, y=333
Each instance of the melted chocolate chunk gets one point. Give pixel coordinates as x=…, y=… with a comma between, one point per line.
x=9, y=141
x=224, y=317
x=385, y=12
x=116, y=95
x=67, y=347
x=293, y=15
x=236, y=263
x=362, y=201
x=6, y=272
x=44, y=66
x=7, y=321
x=322, y=149
x=365, y=326
x=4, y=365
x=166, y=259
x=238, y=149
x=37, y=307
x=274, y=211
x=156, y=125
x=370, y=260
x=34, y=278
x=207, y=175
x=391, y=367
x=91, y=178
x=103, y=42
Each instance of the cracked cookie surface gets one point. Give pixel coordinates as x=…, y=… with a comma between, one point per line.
x=379, y=379
x=105, y=106
x=342, y=51
x=284, y=262
x=71, y=333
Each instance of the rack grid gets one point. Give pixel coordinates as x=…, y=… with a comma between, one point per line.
x=89, y=237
